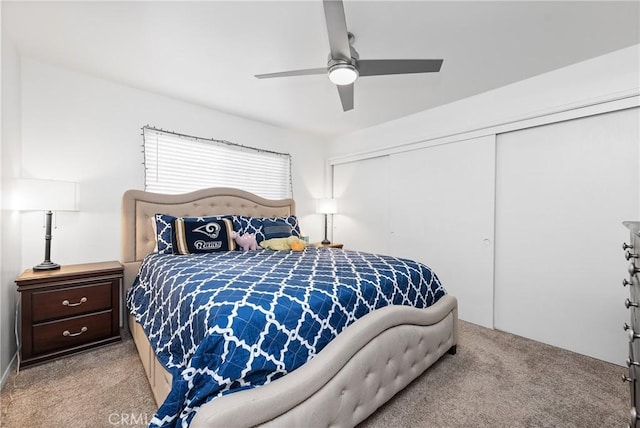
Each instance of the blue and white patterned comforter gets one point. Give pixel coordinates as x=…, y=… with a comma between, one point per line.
x=226, y=321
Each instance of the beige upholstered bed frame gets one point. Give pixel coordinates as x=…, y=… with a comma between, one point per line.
x=361, y=369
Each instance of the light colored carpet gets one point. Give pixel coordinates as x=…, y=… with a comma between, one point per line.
x=495, y=380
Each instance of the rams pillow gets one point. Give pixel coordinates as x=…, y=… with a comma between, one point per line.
x=164, y=231
x=190, y=236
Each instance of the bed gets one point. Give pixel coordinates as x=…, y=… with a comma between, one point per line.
x=368, y=362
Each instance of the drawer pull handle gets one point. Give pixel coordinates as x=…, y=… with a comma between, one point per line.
x=66, y=302
x=66, y=333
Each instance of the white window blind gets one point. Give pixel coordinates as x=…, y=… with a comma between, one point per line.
x=176, y=163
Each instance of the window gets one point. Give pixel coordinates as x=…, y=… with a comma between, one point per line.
x=176, y=163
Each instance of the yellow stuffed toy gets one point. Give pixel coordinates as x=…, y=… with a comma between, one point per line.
x=283, y=244
x=298, y=244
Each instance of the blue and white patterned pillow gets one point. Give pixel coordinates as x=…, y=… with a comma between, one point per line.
x=244, y=224
x=164, y=230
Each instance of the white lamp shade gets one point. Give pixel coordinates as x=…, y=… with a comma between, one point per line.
x=41, y=195
x=327, y=206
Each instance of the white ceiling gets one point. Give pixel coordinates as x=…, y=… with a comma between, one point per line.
x=208, y=52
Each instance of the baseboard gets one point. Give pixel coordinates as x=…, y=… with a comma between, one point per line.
x=5, y=375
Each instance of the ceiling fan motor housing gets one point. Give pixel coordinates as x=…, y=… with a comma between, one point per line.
x=342, y=71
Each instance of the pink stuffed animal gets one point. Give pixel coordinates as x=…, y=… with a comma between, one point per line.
x=246, y=242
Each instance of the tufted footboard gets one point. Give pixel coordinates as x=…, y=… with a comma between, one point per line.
x=354, y=375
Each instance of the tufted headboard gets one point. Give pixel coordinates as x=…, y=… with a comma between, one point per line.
x=139, y=208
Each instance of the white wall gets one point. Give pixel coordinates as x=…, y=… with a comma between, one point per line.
x=79, y=128
x=582, y=83
x=65, y=125
x=608, y=82
x=443, y=216
x=10, y=264
x=362, y=189
x=562, y=193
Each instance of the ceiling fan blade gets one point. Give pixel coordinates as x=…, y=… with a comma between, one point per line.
x=305, y=72
x=378, y=67
x=337, y=29
x=346, y=96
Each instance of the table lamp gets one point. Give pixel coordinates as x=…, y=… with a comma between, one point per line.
x=48, y=196
x=326, y=206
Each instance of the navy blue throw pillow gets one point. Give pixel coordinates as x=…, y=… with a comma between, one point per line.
x=276, y=228
x=190, y=236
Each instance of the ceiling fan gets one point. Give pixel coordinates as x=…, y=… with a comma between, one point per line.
x=345, y=66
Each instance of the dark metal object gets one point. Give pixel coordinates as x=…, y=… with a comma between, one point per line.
x=628, y=303
x=633, y=269
x=325, y=241
x=626, y=246
x=629, y=255
x=625, y=282
x=47, y=264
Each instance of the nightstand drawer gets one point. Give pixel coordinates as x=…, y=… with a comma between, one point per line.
x=71, y=332
x=47, y=305
x=82, y=300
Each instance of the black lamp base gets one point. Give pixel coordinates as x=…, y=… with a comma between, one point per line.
x=47, y=265
x=325, y=241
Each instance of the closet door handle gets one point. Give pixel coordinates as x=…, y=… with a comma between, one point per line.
x=629, y=255
x=625, y=282
x=633, y=269
x=626, y=246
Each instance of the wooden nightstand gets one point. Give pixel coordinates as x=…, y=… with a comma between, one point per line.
x=69, y=310
x=331, y=245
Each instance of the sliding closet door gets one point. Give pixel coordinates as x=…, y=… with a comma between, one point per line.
x=442, y=210
x=562, y=191
x=362, y=190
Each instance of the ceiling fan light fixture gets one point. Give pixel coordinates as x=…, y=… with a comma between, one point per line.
x=343, y=73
